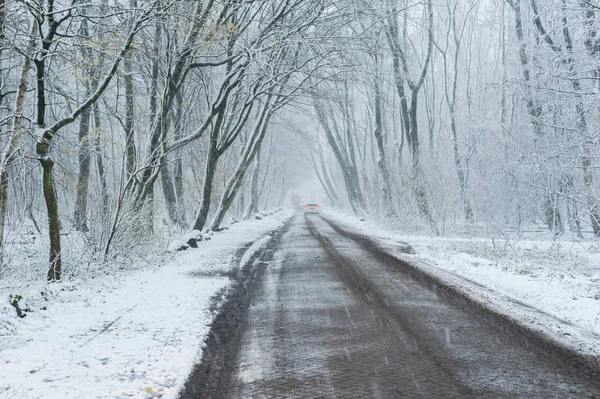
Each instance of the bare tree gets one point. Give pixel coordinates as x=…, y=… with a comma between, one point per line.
x=456, y=33
x=409, y=102
x=49, y=22
x=17, y=125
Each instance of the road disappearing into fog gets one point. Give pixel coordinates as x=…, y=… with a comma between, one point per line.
x=327, y=316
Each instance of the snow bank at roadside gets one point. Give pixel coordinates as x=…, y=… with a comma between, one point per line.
x=132, y=334
x=550, y=286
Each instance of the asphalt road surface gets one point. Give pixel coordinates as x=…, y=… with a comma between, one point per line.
x=327, y=318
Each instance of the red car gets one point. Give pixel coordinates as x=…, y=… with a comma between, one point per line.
x=311, y=208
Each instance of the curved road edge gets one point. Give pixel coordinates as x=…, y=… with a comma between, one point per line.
x=508, y=314
x=221, y=344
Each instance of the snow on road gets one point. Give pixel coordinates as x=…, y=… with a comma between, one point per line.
x=139, y=333
x=136, y=334
x=552, y=286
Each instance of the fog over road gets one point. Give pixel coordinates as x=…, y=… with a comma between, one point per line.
x=329, y=318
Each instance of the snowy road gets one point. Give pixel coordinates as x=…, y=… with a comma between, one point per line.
x=331, y=319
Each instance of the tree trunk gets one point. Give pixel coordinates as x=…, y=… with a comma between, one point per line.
x=450, y=96
x=100, y=163
x=55, y=272
x=283, y=190
x=42, y=150
x=253, y=204
x=178, y=172
x=170, y=196
x=572, y=211
x=417, y=169
x=503, y=105
x=252, y=149
x=388, y=205
x=173, y=84
x=535, y=112
x=324, y=180
x=214, y=153
x=588, y=177
x=409, y=112
x=170, y=186
x=2, y=18
x=8, y=156
x=582, y=125
x=129, y=116
x=344, y=160
x=533, y=109
x=43, y=143
x=209, y=175
x=155, y=160
x=81, y=190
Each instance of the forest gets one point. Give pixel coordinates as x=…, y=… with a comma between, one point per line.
x=123, y=122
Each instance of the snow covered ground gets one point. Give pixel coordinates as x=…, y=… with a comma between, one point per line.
x=552, y=286
x=138, y=332
x=134, y=333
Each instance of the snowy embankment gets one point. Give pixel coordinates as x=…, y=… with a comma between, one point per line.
x=132, y=334
x=550, y=286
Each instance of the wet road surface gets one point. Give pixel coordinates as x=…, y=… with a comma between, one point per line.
x=329, y=319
